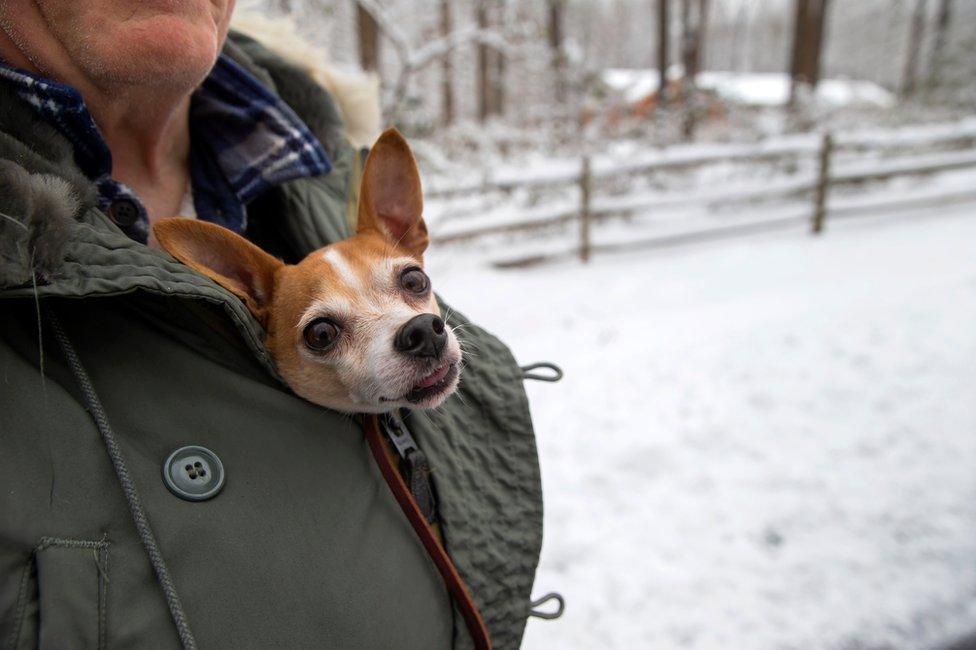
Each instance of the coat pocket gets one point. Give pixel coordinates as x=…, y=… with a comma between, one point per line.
x=63, y=596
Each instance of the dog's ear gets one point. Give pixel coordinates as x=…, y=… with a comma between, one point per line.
x=390, y=198
x=225, y=257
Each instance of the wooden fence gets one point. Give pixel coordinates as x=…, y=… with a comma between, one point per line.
x=957, y=146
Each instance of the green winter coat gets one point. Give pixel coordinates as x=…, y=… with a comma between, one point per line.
x=304, y=547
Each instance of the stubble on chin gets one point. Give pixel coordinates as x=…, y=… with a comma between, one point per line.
x=150, y=62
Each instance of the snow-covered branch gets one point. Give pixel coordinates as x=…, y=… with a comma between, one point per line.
x=440, y=47
x=414, y=58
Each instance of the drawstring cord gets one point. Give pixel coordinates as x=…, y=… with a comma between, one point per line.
x=97, y=412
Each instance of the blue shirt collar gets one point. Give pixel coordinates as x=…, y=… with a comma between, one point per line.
x=243, y=141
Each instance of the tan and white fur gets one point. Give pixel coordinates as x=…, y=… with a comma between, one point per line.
x=354, y=326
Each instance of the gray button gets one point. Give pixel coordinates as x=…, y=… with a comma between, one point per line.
x=193, y=473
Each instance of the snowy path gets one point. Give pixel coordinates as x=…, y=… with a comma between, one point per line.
x=766, y=443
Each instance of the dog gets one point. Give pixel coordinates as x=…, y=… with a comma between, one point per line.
x=354, y=326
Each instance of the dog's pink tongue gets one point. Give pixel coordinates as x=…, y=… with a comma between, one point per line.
x=433, y=378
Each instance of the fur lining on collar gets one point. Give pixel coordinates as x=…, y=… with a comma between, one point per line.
x=36, y=213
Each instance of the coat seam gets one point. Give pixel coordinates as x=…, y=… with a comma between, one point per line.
x=21, y=603
x=66, y=542
x=100, y=550
x=103, y=597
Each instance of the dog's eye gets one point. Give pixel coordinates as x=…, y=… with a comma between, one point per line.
x=414, y=280
x=321, y=334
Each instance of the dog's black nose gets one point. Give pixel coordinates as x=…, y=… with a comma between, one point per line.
x=421, y=336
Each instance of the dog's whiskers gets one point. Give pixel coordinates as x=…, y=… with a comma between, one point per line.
x=466, y=345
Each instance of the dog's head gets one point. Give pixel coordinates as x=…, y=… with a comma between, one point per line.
x=355, y=325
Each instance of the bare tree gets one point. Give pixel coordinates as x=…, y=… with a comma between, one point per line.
x=818, y=30
x=498, y=83
x=491, y=62
x=447, y=67
x=662, y=51
x=809, y=28
x=555, y=33
x=484, y=73
x=693, y=16
x=937, y=59
x=801, y=9
x=498, y=62
x=910, y=77
x=700, y=37
x=369, y=39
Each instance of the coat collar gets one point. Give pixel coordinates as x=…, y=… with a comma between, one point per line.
x=245, y=140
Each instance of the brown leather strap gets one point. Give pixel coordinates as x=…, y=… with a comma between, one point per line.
x=394, y=459
x=455, y=586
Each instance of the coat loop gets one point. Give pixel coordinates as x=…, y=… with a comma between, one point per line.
x=539, y=602
x=557, y=372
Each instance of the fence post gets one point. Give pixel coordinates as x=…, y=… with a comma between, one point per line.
x=585, y=216
x=823, y=185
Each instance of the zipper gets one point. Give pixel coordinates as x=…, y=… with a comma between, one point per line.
x=414, y=465
x=375, y=427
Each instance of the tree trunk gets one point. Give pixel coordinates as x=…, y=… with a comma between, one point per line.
x=498, y=60
x=369, y=40
x=910, y=78
x=484, y=79
x=687, y=38
x=555, y=33
x=818, y=30
x=491, y=64
x=809, y=30
x=700, y=35
x=689, y=55
x=937, y=60
x=498, y=84
x=662, y=52
x=447, y=67
x=694, y=14
x=796, y=52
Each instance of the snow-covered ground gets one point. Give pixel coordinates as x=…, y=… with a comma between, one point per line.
x=762, y=443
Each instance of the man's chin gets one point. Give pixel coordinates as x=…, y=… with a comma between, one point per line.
x=159, y=50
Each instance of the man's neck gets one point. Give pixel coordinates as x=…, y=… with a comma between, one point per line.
x=149, y=155
x=145, y=128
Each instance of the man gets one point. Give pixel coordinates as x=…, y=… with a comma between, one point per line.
x=120, y=368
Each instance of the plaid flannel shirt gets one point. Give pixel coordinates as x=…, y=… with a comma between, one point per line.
x=243, y=141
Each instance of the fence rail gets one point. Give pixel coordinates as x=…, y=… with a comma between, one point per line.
x=823, y=154
x=959, y=134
